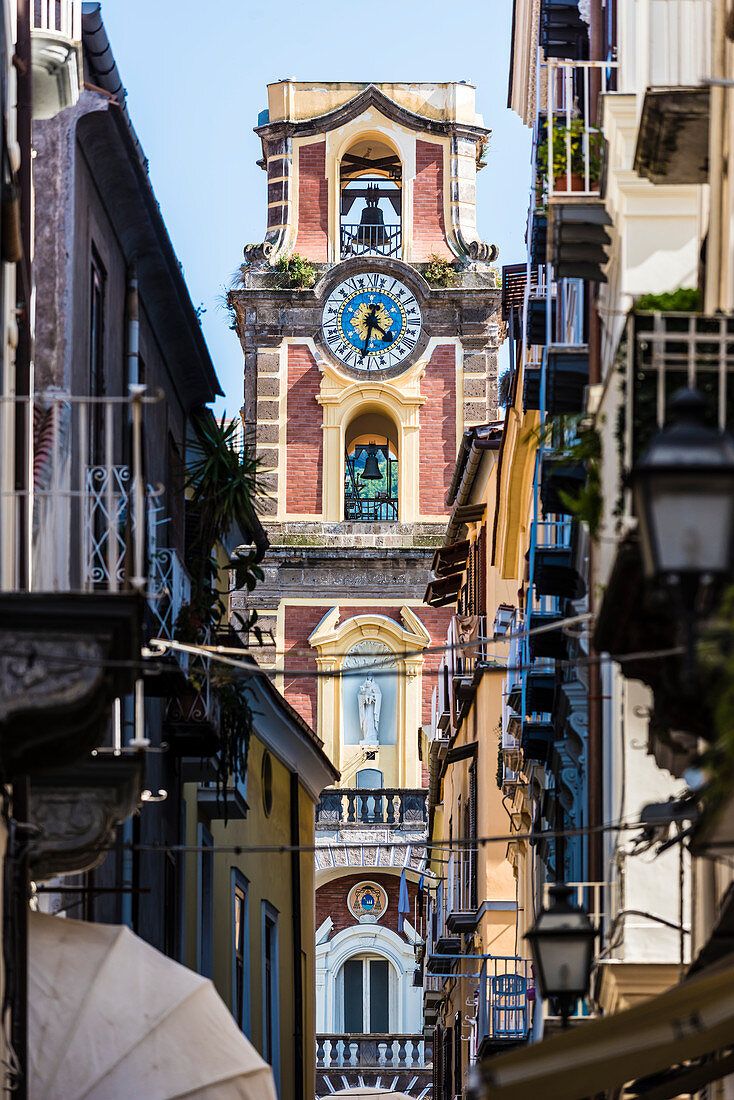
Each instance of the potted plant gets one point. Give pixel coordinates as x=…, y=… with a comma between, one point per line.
x=569, y=171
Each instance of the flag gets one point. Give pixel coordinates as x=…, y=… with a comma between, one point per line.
x=403, y=901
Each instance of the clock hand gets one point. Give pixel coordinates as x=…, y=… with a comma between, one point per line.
x=386, y=336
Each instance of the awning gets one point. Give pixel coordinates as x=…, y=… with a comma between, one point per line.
x=694, y=1019
x=111, y=1018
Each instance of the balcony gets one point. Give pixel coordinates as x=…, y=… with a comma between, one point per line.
x=566, y=370
x=506, y=991
x=670, y=351
x=382, y=508
x=56, y=55
x=385, y=1052
x=168, y=591
x=461, y=892
x=673, y=137
x=562, y=31
x=569, y=151
x=192, y=723
x=371, y=240
x=360, y=806
x=72, y=571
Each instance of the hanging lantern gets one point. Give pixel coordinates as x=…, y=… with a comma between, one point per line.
x=371, y=470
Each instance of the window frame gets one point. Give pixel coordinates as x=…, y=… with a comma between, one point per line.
x=271, y=1018
x=205, y=884
x=243, y=1012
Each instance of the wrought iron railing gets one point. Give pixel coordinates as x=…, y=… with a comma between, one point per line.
x=378, y=240
x=381, y=509
x=80, y=522
x=169, y=590
x=388, y=1052
x=364, y=806
x=566, y=91
x=506, y=991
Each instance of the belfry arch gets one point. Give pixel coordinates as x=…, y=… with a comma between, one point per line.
x=370, y=198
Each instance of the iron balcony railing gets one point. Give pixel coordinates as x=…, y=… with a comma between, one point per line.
x=566, y=92
x=364, y=806
x=388, y=1052
x=169, y=589
x=506, y=991
x=79, y=524
x=379, y=509
x=376, y=240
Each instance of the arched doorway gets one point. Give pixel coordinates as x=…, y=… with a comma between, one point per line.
x=371, y=469
x=370, y=189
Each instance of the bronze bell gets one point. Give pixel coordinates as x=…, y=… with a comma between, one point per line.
x=371, y=470
x=371, y=230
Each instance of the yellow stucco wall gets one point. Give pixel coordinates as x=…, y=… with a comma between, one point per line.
x=269, y=879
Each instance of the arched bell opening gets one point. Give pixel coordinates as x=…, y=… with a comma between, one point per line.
x=370, y=196
x=371, y=469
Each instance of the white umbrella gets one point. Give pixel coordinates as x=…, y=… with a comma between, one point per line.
x=111, y=1018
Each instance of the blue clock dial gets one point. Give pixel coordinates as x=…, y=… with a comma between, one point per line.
x=371, y=322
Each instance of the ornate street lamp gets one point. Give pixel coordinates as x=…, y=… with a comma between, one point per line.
x=683, y=497
x=562, y=942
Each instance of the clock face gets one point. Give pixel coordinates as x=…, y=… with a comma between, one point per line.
x=371, y=322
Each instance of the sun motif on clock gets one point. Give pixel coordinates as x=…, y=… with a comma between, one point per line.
x=371, y=322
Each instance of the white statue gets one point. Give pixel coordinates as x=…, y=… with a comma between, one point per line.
x=370, y=700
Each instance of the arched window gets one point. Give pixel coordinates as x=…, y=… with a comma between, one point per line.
x=370, y=187
x=365, y=993
x=371, y=470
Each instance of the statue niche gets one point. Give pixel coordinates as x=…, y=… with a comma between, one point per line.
x=370, y=701
x=369, y=694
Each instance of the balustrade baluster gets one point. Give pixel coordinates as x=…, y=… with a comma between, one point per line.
x=351, y=811
x=402, y=1052
x=390, y=800
x=382, y=1054
x=320, y=1051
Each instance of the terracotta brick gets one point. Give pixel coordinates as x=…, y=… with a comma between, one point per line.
x=304, y=437
x=438, y=431
x=301, y=692
x=331, y=899
x=313, y=202
x=429, y=230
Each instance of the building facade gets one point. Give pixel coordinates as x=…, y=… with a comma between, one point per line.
x=358, y=386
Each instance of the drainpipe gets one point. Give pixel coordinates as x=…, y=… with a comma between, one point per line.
x=596, y=53
x=18, y=901
x=298, y=1074
x=132, y=314
x=717, y=122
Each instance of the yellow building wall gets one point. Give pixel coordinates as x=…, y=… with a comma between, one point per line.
x=269, y=879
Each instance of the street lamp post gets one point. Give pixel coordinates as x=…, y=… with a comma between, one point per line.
x=683, y=498
x=562, y=942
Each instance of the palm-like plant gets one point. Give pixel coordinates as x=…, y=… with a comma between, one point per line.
x=224, y=487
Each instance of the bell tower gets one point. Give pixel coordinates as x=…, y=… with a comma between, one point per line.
x=360, y=381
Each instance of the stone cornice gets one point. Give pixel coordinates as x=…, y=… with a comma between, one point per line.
x=370, y=97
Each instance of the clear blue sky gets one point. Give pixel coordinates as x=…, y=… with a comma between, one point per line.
x=196, y=76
